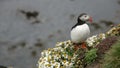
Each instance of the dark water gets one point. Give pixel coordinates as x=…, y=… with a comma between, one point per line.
x=22, y=39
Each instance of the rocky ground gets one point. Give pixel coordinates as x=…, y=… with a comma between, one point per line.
x=68, y=56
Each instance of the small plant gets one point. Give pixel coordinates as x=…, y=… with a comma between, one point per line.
x=95, y=39
x=61, y=56
x=90, y=56
x=115, y=31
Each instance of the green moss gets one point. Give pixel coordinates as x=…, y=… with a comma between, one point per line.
x=90, y=56
x=112, y=57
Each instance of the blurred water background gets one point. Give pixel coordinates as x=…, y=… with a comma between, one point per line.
x=23, y=37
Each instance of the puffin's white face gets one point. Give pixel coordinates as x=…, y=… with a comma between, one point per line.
x=85, y=18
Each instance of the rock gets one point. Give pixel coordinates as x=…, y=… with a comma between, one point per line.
x=65, y=55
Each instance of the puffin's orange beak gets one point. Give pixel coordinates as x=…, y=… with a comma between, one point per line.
x=90, y=19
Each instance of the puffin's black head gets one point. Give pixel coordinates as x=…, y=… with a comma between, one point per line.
x=83, y=18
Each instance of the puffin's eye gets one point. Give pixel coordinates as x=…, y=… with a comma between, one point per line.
x=85, y=16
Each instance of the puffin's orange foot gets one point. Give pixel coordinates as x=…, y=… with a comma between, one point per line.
x=76, y=46
x=83, y=45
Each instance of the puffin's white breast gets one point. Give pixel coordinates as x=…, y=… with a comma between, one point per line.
x=80, y=33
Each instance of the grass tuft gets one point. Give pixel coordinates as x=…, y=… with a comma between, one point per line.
x=112, y=57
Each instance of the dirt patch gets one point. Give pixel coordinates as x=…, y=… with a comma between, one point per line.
x=106, y=44
x=103, y=47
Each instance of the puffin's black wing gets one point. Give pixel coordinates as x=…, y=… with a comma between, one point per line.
x=74, y=26
x=79, y=23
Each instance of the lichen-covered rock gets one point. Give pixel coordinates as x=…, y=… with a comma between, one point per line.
x=62, y=56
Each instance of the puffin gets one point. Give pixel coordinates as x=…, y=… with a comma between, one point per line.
x=81, y=31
